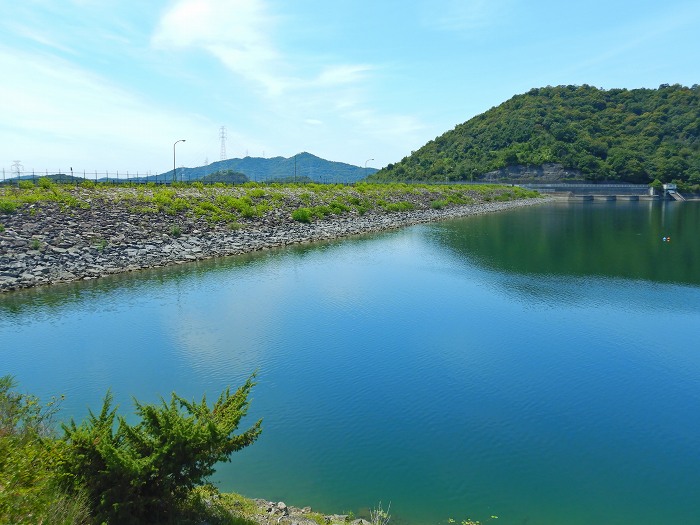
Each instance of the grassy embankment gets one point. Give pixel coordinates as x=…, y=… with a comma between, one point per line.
x=235, y=206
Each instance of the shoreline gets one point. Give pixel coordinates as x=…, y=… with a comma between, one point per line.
x=54, y=246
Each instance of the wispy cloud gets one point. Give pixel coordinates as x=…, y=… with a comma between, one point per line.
x=234, y=31
x=241, y=33
x=342, y=74
x=52, y=109
x=464, y=15
x=628, y=42
x=40, y=37
x=298, y=86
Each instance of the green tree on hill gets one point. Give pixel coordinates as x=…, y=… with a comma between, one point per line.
x=625, y=135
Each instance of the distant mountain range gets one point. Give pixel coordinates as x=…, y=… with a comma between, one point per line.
x=303, y=166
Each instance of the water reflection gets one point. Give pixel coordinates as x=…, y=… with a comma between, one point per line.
x=612, y=240
x=457, y=369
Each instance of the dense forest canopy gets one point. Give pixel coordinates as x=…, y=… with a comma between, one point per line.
x=635, y=135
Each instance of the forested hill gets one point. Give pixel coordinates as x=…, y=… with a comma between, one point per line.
x=633, y=135
x=303, y=166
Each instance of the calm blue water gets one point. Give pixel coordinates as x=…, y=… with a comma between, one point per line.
x=541, y=364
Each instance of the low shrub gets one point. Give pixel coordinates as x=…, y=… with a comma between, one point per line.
x=302, y=215
x=206, y=208
x=145, y=473
x=29, y=459
x=338, y=207
x=46, y=183
x=7, y=206
x=399, y=206
x=256, y=192
x=504, y=197
x=321, y=211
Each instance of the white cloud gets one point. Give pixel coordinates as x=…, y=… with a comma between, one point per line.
x=240, y=33
x=343, y=74
x=57, y=113
x=299, y=87
x=234, y=31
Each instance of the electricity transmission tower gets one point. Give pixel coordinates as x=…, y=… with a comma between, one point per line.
x=222, y=136
x=17, y=168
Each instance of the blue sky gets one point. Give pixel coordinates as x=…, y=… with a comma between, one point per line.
x=112, y=84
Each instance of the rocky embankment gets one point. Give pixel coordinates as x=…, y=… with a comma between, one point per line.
x=45, y=243
x=269, y=512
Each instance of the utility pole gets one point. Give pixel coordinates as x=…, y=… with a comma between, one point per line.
x=174, y=172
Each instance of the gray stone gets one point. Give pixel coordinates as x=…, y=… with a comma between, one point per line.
x=72, y=241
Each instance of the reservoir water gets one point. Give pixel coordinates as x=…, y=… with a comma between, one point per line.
x=541, y=365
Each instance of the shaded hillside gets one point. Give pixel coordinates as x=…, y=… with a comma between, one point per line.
x=280, y=168
x=225, y=176
x=626, y=135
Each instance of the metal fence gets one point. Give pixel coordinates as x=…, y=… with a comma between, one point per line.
x=13, y=177
x=579, y=188
x=70, y=176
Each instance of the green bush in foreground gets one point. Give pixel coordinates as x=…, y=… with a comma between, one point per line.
x=144, y=473
x=29, y=455
x=109, y=472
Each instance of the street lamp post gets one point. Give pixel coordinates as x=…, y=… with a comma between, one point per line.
x=367, y=162
x=174, y=172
